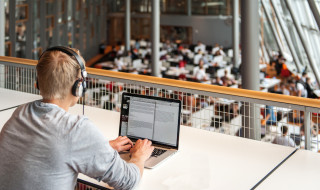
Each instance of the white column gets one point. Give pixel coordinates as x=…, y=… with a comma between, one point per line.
x=155, y=60
x=250, y=63
x=235, y=33
x=127, y=25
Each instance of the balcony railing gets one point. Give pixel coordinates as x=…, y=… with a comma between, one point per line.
x=225, y=110
x=219, y=109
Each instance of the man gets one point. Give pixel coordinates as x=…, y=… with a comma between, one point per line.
x=197, y=58
x=270, y=118
x=284, y=139
x=200, y=47
x=42, y=146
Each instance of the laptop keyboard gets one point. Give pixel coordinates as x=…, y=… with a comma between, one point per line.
x=157, y=152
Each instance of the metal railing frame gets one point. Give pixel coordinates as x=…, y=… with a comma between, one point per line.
x=302, y=104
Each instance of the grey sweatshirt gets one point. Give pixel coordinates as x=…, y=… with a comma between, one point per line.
x=44, y=147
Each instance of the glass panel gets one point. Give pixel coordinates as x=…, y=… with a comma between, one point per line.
x=119, y=5
x=211, y=7
x=139, y=6
x=174, y=6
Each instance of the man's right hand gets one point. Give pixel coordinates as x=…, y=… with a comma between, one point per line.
x=142, y=150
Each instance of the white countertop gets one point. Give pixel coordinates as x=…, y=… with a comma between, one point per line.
x=11, y=98
x=300, y=171
x=205, y=160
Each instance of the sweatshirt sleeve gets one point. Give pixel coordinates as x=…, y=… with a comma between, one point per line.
x=92, y=155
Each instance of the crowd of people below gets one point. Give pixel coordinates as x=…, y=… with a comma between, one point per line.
x=202, y=57
x=197, y=63
x=299, y=85
x=200, y=63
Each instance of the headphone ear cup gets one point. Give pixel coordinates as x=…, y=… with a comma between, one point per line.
x=75, y=88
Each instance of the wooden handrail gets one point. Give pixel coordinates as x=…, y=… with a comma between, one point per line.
x=189, y=85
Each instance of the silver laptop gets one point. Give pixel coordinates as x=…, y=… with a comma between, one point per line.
x=153, y=118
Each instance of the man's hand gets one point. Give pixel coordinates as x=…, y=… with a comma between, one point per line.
x=140, y=153
x=142, y=150
x=121, y=143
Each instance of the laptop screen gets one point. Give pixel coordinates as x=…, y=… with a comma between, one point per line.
x=153, y=118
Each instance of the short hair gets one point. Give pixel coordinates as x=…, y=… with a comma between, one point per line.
x=57, y=72
x=284, y=129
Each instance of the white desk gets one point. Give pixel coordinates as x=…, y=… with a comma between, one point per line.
x=269, y=83
x=11, y=98
x=300, y=171
x=206, y=160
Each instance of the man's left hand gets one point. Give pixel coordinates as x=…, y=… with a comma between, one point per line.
x=121, y=143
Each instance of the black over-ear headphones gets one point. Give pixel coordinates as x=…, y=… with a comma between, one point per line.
x=77, y=89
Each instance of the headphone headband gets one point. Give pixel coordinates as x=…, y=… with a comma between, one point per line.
x=71, y=53
x=76, y=89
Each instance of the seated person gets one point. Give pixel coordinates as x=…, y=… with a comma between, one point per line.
x=227, y=81
x=201, y=74
x=283, y=89
x=227, y=113
x=119, y=63
x=196, y=68
x=310, y=88
x=111, y=104
x=271, y=70
x=215, y=48
x=217, y=81
x=200, y=47
x=313, y=130
x=284, y=139
x=270, y=116
x=197, y=57
x=43, y=146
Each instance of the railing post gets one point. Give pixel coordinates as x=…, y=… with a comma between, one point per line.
x=127, y=26
x=307, y=130
x=250, y=58
x=155, y=60
x=235, y=33
x=189, y=6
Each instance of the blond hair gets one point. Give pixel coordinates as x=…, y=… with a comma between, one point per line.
x=57, y=72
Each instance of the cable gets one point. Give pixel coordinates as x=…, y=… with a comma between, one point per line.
x=83, y=102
